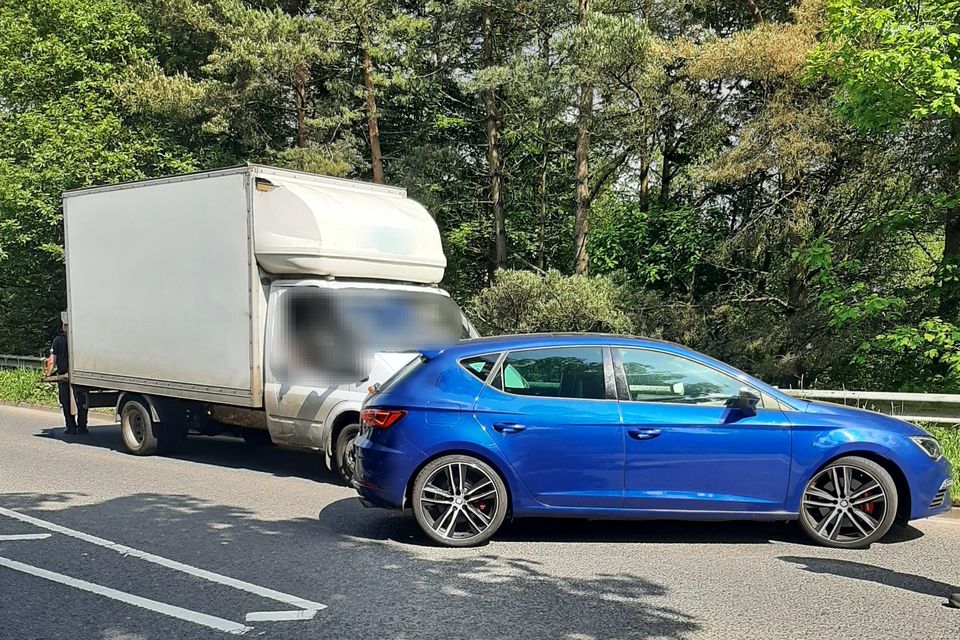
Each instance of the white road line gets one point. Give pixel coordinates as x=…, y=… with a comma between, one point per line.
x=24, y=536
x=160, y=607
x=266, y=616
x=264, y=592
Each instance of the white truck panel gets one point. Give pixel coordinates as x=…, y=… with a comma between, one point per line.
x=325, y=226
x=162, y=288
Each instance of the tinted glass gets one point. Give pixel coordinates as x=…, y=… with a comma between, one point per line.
x=660, y=377
x=480, y=366
x=575, y=372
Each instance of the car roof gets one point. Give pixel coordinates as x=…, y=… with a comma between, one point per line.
x=476, y=346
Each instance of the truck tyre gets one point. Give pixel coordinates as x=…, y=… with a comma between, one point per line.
x=345, y=458
x=137, y=428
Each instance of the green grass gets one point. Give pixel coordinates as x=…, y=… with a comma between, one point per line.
x=949, y=438
x=23, y=385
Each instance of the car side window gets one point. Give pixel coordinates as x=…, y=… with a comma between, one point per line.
x=480, y=366
x=654, y=376
x=564, y=372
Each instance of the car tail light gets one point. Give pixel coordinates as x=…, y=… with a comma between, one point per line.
x=381, y=418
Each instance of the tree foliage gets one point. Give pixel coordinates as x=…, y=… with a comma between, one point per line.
x=772, y=182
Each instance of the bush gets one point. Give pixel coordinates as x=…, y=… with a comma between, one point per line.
x=23, y=385
x=524, y=302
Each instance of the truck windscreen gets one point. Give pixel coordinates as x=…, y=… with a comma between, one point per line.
x=331, y=335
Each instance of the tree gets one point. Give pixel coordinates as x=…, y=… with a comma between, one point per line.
x=581, y=215
x=898, y=65
x=62, y=126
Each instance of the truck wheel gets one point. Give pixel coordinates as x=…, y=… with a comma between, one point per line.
x=137, y=428
x=344, y=455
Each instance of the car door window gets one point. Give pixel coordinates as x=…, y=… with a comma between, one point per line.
x=571, y=372
x=654, y=376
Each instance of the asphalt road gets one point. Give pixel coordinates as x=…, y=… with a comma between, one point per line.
x=224, y=531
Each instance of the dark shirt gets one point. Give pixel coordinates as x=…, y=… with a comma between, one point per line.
x=59, y=350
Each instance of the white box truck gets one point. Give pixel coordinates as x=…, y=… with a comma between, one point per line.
x=249, y=300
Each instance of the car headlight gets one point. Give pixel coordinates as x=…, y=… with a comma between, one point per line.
x=929, y=445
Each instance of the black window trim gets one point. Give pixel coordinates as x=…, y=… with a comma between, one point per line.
x=609, y=388
x=623, y=393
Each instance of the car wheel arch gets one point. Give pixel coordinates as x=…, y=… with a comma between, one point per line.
x=463, y=451
x=882, y=457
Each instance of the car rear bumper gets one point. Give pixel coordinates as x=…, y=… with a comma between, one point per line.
x=383, y=471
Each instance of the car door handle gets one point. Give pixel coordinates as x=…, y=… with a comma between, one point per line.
x=508, y=427
x=643, y=434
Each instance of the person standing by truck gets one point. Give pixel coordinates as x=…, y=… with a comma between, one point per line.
x=58, y=363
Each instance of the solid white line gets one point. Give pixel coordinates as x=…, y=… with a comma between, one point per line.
x=160, y=607
x=264, y=592
x=267, y=616
x=24, y=536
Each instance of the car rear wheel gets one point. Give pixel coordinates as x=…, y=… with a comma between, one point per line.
x=459, y=501
x=850, y=503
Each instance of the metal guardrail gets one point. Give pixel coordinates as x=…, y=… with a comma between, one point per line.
x=21, y=362
x=916, y=407
x=941, y=408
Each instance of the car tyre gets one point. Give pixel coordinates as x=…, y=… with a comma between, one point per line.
x=345, y=456
x=849, y=504
x=459, y=500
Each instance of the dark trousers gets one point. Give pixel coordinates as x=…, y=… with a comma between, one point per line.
x=78, y=422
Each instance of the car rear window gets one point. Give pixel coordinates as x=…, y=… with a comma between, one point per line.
x=480, y=366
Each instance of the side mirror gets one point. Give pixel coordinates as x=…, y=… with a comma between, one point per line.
x=745, y=402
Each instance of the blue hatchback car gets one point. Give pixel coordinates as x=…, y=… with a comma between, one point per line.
x=599, y=426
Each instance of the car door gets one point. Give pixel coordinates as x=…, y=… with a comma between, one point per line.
x=553, y=414
x=685, y=450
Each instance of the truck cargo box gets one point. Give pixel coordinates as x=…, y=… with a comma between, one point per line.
x=164, y=276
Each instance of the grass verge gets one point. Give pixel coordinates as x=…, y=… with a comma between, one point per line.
x=949, y=438
x=23, y=385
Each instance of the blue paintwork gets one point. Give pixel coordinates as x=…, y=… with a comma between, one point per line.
x=623, y=459
x=706, y=458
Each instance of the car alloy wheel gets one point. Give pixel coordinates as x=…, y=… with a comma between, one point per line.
x=459, y=500
x=850, y=503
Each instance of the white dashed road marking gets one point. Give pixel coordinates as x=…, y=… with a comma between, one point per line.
x=306, y=609
x=296, y=614
x=160, y=607
x=24, y=536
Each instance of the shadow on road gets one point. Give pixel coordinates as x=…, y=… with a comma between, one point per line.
x=872, y=573
x=374, y=588
x=221, y=451
x=349, y=517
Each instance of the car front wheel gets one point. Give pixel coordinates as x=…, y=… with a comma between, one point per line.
x=849, y=504
x=459, y=501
